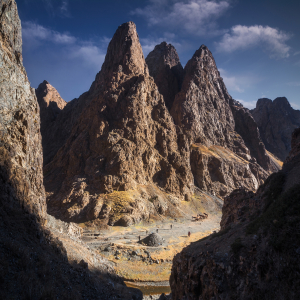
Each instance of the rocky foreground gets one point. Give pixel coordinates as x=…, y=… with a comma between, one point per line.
x=35, y=264
x=255, y=255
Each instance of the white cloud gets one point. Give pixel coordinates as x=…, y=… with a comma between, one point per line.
x=34, y=33
x=192, y=16
x=296, y=53
x=247, y=104
x=64, y=9
x=231, y=82
x=244, y=37
x=64, y=45
x=295, y=105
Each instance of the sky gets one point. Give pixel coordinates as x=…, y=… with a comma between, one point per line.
x=255, y=43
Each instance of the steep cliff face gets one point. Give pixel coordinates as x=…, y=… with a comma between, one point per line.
x=51, y=104
x=20, y=138
x=276, y=121
x=246, y=126
x=34, y=263
x=124, y=138
x=256, y=253
x=206, y=113
x=165, y=67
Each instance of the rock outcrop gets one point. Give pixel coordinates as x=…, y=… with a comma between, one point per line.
x=125, y=138
x=20, y=138
x=208, y=117
x=34, y=262
x=276, y=121
x=165, y=67
x=51, y=104
x=246, y=126
x=256, y=253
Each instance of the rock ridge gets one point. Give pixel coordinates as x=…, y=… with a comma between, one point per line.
x=276, y=121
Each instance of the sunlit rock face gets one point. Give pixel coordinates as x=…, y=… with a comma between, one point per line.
x=276, y=121
x=124, y=138
x=20, y=138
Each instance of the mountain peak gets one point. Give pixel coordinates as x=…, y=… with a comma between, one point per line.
x=124, y=52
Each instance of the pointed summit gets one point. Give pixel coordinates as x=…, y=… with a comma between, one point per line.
x=124, y=52
x=165, y=67
x=124, y=139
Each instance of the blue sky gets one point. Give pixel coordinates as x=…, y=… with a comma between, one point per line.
x=256, y=43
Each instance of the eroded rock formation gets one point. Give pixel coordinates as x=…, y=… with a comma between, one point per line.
x=276, y=121
x=20, y=138
x=207, y=114
x=123, y=139
x=256, y=253
x=34, y=262
x=165, y=67
x=51, y=104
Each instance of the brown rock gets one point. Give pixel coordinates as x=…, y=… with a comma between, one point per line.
x=51, y=104
x=202, y=109
x=125, y=137
x=165, y=67
x=20, y=138
x=34, y=262
x=276, y=121
x=256, y=253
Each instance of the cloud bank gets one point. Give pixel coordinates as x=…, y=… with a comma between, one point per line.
x=191, y=16
x=270, y=39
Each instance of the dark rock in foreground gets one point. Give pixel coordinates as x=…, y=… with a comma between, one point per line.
x=256, y=253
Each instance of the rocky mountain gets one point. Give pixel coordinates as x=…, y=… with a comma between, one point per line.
x=51, y=104
x=124, y=140
x=276, y=121
x=165, y=67
x=35, y=264
x=207, y=114
x=120, y=137
x=255, y=254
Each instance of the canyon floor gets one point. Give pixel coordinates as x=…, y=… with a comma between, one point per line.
x=149, y=268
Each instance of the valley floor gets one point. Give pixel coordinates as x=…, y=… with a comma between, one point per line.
x=149, y=268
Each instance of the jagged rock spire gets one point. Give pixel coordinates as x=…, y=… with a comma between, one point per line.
x=165, y=67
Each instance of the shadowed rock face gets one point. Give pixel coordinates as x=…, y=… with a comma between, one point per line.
x=51, y=104
x=256, y=253
x=276, y=121
x=165, y=67
x=124, y=137
x=246, y=126
x=34, y=263
x=20, y=138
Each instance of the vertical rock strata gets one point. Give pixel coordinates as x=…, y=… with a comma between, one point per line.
x=276, y=121
x=165, y=67
x=124, y=138
x=256, y=253
x=20, y=138
x=202, y=109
